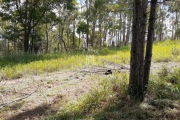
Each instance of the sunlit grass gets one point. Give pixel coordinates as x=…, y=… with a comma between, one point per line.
x=166, y=51
x=40, y=66
x=16, y=66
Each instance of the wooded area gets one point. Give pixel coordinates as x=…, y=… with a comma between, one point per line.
x=55, y=26
x=105, y=47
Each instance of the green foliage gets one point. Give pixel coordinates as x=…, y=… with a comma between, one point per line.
x=166, y=85
x=82, y=27
x=34, y=64
x=70, y=4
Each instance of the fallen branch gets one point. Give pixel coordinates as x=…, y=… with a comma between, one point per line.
x=16, y=100
x=7, y=91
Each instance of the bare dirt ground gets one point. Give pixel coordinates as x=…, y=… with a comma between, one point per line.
x=34, y=97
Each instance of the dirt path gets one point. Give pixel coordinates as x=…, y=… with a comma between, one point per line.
x=33, y=97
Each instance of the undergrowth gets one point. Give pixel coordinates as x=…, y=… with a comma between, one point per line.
x=110, y=101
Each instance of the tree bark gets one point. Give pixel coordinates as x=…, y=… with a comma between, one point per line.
x=136, y=84
x=149, y=45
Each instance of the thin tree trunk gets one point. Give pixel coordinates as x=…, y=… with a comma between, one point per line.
x=105, y=33
x=26, y=40
x=93, y=33
x=172, y=37
x=128, y=32
x=176, y=26
x=79, y=40
x=149, y=45
x=100, y=36
x=73, y=37
x=124, y=29
x=120, y=23
x=47, y=39
x=62, y=39
x=87, y=36
x=26, y=35
x=61, y=34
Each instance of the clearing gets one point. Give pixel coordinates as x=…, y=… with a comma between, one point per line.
x=39, y=96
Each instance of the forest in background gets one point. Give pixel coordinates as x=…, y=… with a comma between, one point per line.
x=78, y=60
x=66, y=25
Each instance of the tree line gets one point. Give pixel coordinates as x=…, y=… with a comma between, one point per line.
x=45, y=26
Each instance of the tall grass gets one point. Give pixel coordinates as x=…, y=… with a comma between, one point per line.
x=166, y=51
x=44, y=64
x=15, y=66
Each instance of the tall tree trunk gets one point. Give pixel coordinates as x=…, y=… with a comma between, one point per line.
x=73, y=37
x=149, y=45
x=26, y=35
x=172, y=37
x=120, y=24
x=161, y=25
x=62, y=39
x=26, y=40
x=128, y=31
x=100, y=36
x=79, y=40
x=105, y=33
x=61, y=31
x=87, y=36
x=47, y=39
x=136, y=84
x=93, y=33
x=124, y=28
x=87, y=21
x=176, y=25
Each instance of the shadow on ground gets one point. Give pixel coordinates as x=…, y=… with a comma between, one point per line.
x=127, y=109
x=39, y=112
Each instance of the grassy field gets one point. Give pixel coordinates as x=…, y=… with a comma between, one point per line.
x=108, y=101
x=15, y=66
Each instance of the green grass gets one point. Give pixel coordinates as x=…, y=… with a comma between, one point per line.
x=110, y=100
x=18, y=65
x=166, y=51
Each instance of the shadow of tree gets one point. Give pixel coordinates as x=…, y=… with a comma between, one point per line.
x=127, y=109
x=39, y=112
x=33, y=113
